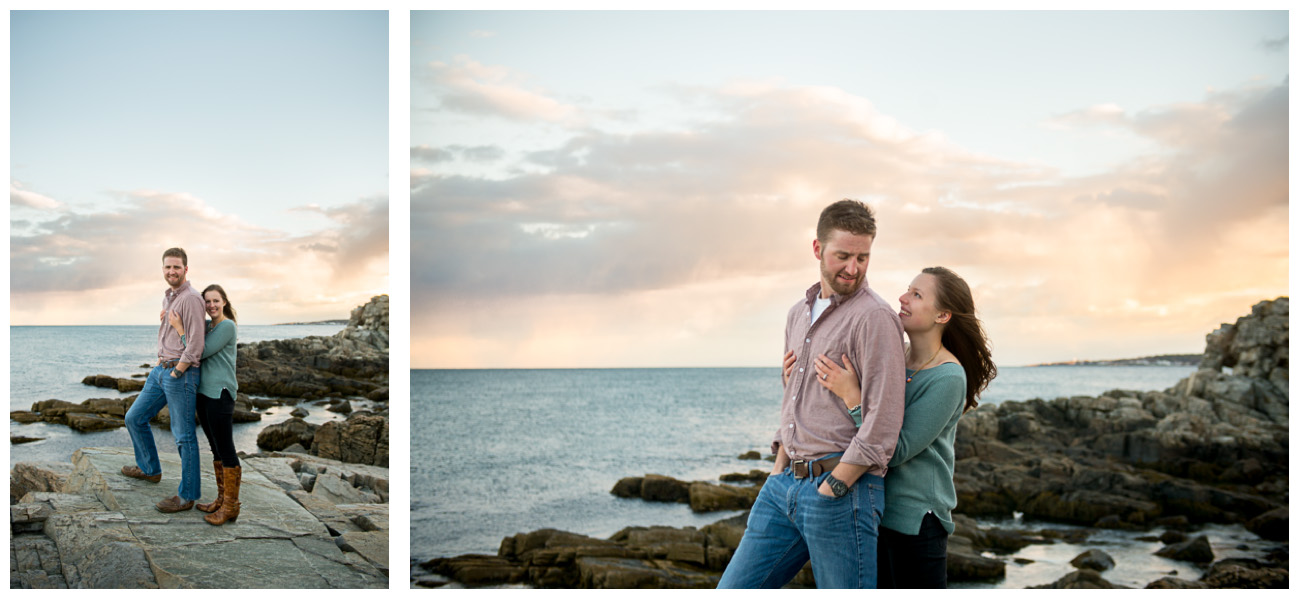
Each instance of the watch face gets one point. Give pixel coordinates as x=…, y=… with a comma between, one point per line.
x=837, y=487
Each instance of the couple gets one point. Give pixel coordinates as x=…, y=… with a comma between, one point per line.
x=175, y=382
x=862, y=484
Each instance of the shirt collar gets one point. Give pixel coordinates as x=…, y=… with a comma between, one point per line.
x=184, y=286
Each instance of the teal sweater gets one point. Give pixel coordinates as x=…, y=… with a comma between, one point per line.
x=218, y=366
x=919, y=480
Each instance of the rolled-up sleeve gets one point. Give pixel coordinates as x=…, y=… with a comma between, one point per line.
x=881, y=367
x=192, y=314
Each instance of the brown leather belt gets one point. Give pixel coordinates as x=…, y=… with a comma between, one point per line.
x=803, y=469
x=168, y=363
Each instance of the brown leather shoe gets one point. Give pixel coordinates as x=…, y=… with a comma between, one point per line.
x=174, y=504
x=134, y=471
x=212, y=507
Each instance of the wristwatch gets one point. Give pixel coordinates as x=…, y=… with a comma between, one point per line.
x=839, y=488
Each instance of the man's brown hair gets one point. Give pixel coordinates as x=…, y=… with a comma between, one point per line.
x=846, y=215
x=178, y=253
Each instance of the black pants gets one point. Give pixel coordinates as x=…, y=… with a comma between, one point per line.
x=913, y=561
x=216, y=415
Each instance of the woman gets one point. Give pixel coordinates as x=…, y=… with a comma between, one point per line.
x=948, y=365
x=216, y=401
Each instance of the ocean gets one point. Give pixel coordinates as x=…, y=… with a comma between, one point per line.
x=50, y=362
x=500, y=452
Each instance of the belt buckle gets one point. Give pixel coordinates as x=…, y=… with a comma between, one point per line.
x=800, y=468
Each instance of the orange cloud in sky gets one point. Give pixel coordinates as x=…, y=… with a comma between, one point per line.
x=96, y=268
x=603, y=250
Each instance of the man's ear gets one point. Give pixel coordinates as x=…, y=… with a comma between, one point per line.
x=817, y=249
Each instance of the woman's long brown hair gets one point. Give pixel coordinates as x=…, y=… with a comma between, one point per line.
x=964, y=334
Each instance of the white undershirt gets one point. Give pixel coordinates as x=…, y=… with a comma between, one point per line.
x=819, y=305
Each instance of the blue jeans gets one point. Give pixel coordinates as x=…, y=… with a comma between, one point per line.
x=791, y=523
x=178, y=395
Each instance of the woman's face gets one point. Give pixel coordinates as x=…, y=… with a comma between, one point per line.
x=918, y=311
x=213, y=303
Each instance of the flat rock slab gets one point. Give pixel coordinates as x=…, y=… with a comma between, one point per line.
x=275, y=542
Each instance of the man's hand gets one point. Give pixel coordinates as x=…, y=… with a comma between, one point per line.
x=782, y=461
x=845, y=472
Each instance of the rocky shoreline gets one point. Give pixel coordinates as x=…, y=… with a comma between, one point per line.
x=1213, y=449
x=315, y=509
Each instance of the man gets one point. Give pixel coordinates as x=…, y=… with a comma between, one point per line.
x=173, y=382
x=825, y=496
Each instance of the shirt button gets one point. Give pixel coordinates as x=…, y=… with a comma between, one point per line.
x=807, y=341
x=792, y=426
x=801, y=369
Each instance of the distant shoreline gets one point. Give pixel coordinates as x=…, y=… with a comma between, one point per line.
x=329, y=322
x=1163, y=360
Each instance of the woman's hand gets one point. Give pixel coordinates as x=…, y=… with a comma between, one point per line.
x=842, y=382
x=787, y=366
x=175, y=320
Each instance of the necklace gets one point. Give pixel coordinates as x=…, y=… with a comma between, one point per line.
x=927, y=363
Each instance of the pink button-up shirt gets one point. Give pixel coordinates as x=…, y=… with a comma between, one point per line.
x=187, y=303
x=814, y=421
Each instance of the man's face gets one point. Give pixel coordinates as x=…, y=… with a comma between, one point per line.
x=844, y=259
x=174, y=271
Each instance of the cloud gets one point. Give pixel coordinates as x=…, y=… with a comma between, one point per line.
x=1276, y=44
x=1191, y=232
x=357, y=243
x=426, y=154
x=102, y=267
x=1098, y=115
x=480, y=154
x=469, y=87
x=19, y=197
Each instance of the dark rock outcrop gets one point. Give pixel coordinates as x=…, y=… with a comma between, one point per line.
x=284, y=434
x=1083, y=579
x=701, y=495
x=1272, y=525
x=1239, y=573
x=351, y=363
x=91, y=415
x=362, y=438
x=1195, y=550
x=124, y=385
x=1093, y=559
x=1126, y=459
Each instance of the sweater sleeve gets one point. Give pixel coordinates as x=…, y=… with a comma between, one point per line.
x=218, y=338
x=927, y=416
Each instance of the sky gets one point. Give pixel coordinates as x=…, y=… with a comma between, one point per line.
x=255, y=140
x=641, y=189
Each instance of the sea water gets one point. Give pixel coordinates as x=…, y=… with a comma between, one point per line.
x=50, y=362
x=500, y=452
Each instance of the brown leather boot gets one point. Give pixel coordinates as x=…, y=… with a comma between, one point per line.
x=174, y=504
x=229, y=510
x=221, y=484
